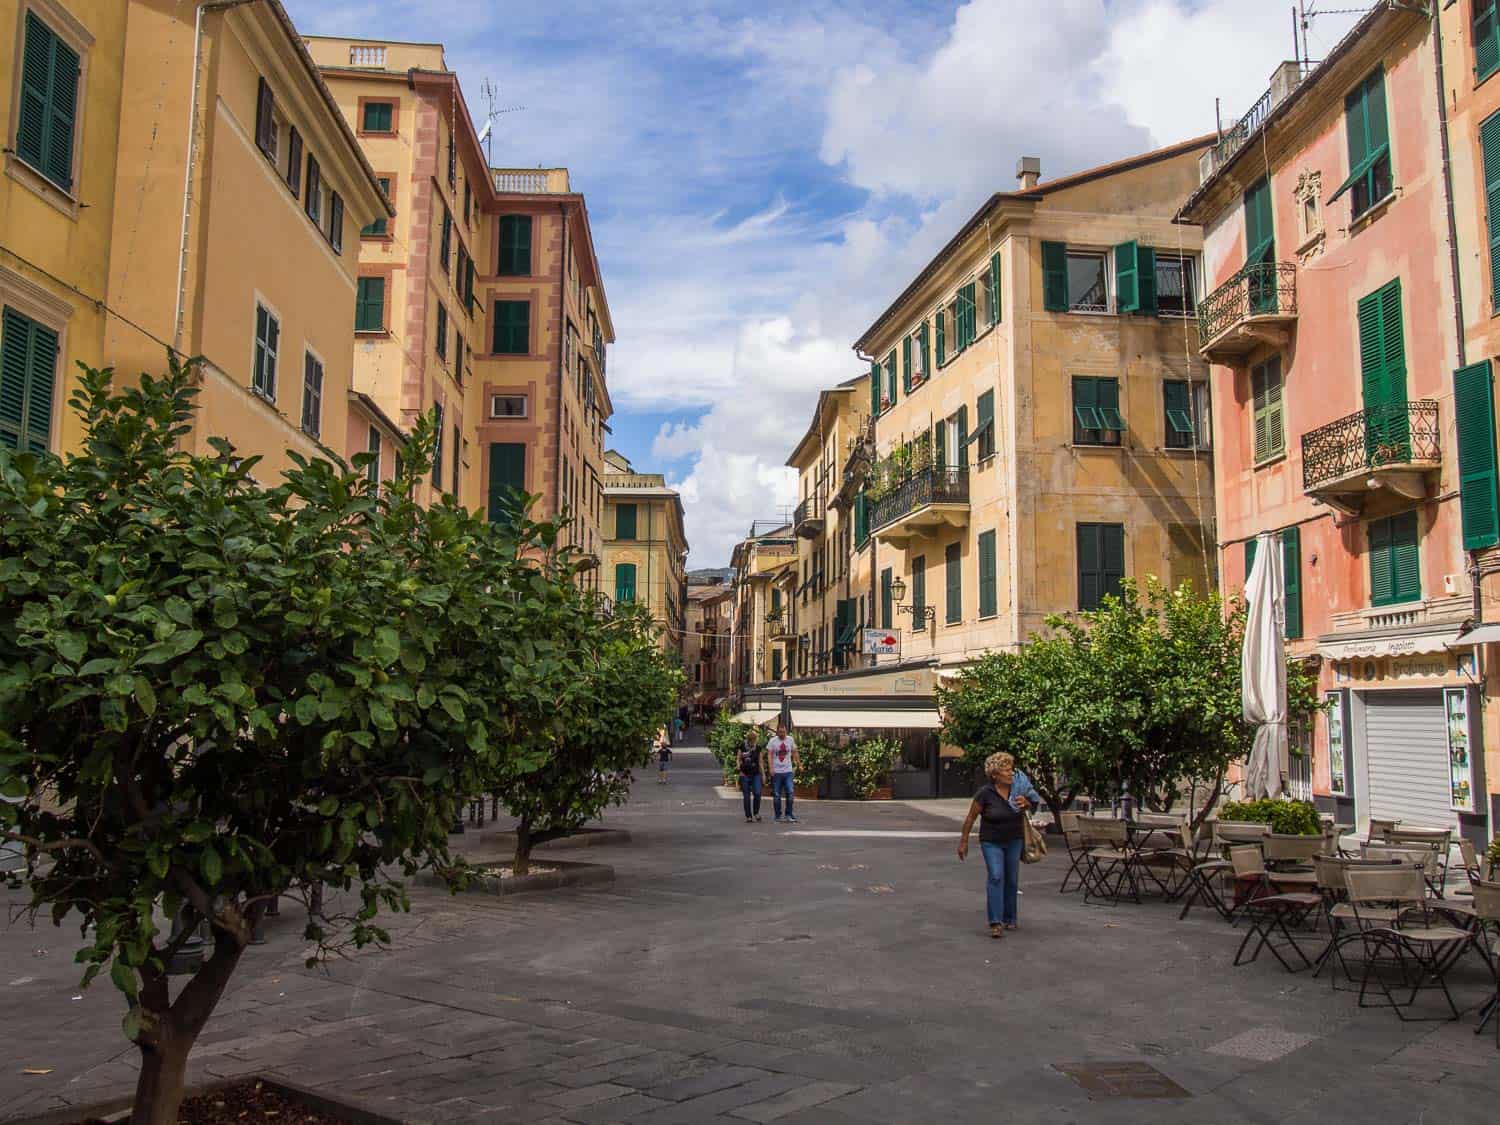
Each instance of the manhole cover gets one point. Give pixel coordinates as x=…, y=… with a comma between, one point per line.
x=1122, y=1080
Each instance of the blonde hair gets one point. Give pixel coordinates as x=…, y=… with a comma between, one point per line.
x=995, y=762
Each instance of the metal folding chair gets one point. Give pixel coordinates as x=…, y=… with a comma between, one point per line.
x=1077, y=852
x=1269, y=912
x=1438, y=840
x=1109, y=869
x=1487, y=938
x=1414, y=948
x=1338, y=913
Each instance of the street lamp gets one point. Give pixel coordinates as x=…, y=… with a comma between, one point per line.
x=920, y=615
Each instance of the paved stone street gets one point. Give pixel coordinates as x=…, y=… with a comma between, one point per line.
x=762, y=973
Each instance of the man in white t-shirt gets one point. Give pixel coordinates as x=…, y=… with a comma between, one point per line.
x=781, y=754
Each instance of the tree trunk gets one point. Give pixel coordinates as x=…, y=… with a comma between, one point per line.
x=159, y=1088
x=522, y=862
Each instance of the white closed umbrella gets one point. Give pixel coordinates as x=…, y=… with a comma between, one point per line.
x=1263, y=669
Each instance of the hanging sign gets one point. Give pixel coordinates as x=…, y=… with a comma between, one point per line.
x=881, y=642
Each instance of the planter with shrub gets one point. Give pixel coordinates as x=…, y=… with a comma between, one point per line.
x=1286, y=818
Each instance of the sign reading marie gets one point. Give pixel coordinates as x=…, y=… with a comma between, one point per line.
x=881, y=642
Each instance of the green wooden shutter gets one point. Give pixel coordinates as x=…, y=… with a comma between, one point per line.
x=926, y=354
x=861, y=520
x=376, y=226
x=512, y=332
x=1270, y=432
x=1406, y=570
x=885, y=598
x=369, y=304
x=1086, y=410
x=940, y=444
x=1291, y=566
x=890, y=375
x=624, y=582
x=984, y=425
x=966, y=316
x=515, y=246
x=1489, y=143
x=437, y=445
x=1486, y=41
x=1474, y=412
x=942, y=350
x=1088, y=566
x=995, y=288
x=1378, y=534
x=625, y=523
x=1127, y=291
x=918, y=587
x=28, y=370
x=906, y=364
x=988, y=601
x=507, y=479
x=1178, y=411
x=963, y=437
x=1055, y=276
x=1260, y=234
x=1112, y=558
x=1108, y=397
x=953, y=564
x=1145, y=279
x=1382, y=357
x=49, y=103
x=1250, y=546
x=874, y=390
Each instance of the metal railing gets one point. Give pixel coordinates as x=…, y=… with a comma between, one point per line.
x=1236, y=135
x=1261, y=289
x=925, y=486
x=809, y=509
x=1396, y=433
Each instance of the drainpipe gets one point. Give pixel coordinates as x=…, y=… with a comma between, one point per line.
x=192, y=154
x=562, y=351
x=874, y=622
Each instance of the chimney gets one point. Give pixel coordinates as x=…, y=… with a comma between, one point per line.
x=1028, y=171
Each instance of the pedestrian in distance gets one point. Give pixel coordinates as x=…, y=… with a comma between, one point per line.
x=678, y=727
x=663, y=746
x=1000, y=807
x=751, y=762
x=782, y=753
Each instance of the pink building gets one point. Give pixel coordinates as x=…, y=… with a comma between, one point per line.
x=1334, y=331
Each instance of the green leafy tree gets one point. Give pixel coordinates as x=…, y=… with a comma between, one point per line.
x=214, y=694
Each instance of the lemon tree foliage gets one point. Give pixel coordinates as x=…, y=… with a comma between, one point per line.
x=1141, y=696
x=214, y=693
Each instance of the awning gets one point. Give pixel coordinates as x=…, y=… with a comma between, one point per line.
x=896, y=719
x=1479, y=635
x=759, y=711
x=1404, y=644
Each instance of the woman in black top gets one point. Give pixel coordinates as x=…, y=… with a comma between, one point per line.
x=1000, y=807
x=751, y=781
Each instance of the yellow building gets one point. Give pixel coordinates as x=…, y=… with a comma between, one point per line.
x=482, y=298
x=61, y=111
x=705, y=647
x=764, y=565
x=239, y=193
x=829, y=603
x=1041, y=411
x=645, y=549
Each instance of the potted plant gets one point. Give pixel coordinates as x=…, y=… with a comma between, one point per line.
x=816, y=756
x=1286, y=818
x=867, y=768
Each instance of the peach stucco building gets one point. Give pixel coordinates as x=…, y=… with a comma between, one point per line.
x=1345, y=410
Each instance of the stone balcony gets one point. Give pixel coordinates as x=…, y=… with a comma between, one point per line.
x=925, y=501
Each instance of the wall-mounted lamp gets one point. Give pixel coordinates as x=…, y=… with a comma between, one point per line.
x=919, y=614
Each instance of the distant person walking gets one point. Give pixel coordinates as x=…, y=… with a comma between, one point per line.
x=663, y=746
x=1000, y=806
x=751, y=765
x=678, y=726
x=782, y=752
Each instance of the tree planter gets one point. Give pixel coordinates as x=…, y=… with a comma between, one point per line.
x=118, y=1109
x=561, y=873
x=806, y=792
x=582, y=838
x=881, y=793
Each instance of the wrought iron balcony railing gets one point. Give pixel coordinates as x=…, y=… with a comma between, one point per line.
x=1392, y=435
x=925, y=486
x=809, y=509
x=1261, y=289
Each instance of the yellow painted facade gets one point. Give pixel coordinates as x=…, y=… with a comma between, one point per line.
x=764, y=563
x=55, y=232
x=1029, y=481
x=705, y=647
x=645, y=547
x=240, y=192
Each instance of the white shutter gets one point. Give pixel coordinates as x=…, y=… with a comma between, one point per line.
x=1406, y=754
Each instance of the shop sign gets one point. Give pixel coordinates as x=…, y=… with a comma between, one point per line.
x=1372, y=669
x=881, y=642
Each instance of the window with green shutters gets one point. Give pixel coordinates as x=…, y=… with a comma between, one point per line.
x=1489, y=145
x=312, y=395
x=953, y=565
x=1369, y=139
x=376, y=228
x=624, y=583
x=624, y=521
x=1269, y=417
x=1177, y=408
x=984, y=426
x=441, y=342
x=507, y=480
x=1250, y=549
x=445, y=241
x=942, y=337
x=49, y=103
x=1135, y=278
x=1395, y=563
x=776, y=660
x=906, y=364
x=861, y=521
x=992, y=289
x=1101, y=562
x=1096, y=411
x=512, y=328
x=1055, y=276
x=875, y=390
x=1260, y=246
x=989, y=604
x=1382, y=362
x=1486, y=40
x=965, y=316
x=515, y=246
x=377, y=117
x=28, y=375
x=885, y=598
x=890, y=376
x=437, y=445
x=267, y=342
x=1291, y=574
x=1474, y=413
x=918, y=587
x=369, y=304
x=372, y=447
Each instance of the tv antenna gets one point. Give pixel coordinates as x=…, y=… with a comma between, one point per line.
x=487, y=134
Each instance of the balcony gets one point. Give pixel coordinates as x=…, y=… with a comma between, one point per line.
x=925, y=501
x=1256, y=306
x=779, y=626
x=530, y=181
x=808, y=520
x=1382, y=453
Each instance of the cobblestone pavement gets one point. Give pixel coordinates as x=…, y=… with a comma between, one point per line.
x=738, y=972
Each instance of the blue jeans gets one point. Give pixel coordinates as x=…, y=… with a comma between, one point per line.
x=781, y=785
x=750, y=787
x=1003, y=863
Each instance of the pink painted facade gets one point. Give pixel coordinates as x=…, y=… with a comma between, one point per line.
x=1382, y=660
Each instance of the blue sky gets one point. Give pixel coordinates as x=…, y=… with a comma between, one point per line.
x=763, y=178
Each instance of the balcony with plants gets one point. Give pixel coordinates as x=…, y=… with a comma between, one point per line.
x=911, y=496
